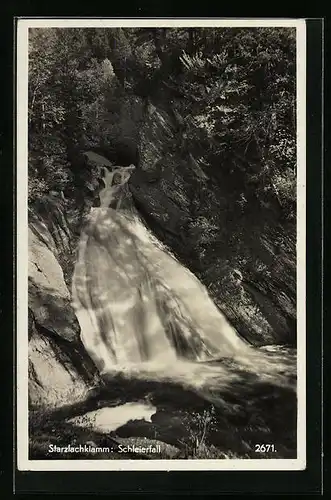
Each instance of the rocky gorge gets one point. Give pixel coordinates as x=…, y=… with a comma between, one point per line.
x=241, y=247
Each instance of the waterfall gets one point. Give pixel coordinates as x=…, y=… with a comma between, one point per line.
x=135, y=302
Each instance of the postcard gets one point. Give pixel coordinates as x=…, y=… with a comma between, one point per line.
x=161, y=244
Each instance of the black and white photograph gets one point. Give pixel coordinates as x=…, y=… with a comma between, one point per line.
x=161, y=244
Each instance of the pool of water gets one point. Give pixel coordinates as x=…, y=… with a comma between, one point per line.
x=109, y=419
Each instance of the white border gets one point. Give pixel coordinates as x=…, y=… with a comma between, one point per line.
x=23, y=462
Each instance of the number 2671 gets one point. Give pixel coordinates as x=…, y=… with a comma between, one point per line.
x=264, y=448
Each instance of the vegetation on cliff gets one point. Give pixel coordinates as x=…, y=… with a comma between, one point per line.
x=231, y=93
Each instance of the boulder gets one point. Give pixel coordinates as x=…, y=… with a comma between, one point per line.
x=54, y=381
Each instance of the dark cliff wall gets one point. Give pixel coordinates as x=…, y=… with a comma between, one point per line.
x=247, y=259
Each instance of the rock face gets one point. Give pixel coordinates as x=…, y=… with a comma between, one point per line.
x=49, y=298
x=49, y=222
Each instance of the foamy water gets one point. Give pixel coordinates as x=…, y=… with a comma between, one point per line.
x=278, y=369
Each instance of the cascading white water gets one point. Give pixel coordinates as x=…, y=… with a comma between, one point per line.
x=134, y=301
